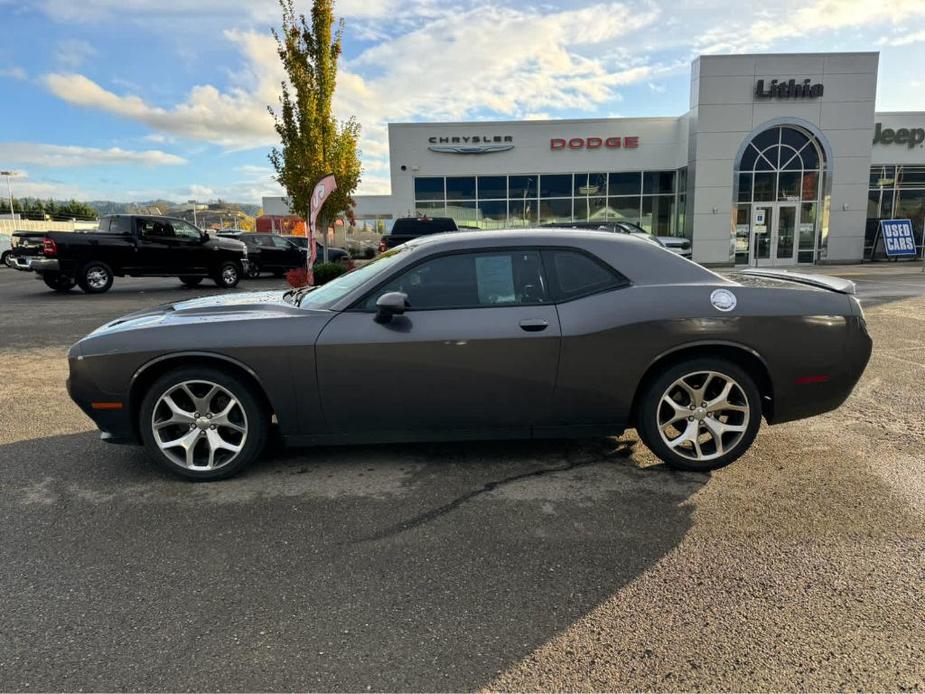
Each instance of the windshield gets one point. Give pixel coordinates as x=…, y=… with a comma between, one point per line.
x=346, y=283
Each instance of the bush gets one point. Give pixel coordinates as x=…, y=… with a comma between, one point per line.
x=369, y=253
x=297, y=277
x=325, y=272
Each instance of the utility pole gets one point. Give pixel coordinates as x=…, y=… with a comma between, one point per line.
x=193, y=203
x=9, y=189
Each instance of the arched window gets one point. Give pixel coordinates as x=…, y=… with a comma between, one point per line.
x=779, y=177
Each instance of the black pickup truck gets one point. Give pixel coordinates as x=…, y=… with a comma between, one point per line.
x=136, y=246
x=408, y=228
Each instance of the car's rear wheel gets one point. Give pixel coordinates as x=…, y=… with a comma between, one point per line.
x=191, y=281
x=700, y=414
x=202, y=423
x=95, y=277
x=58, y=282
x=5, y=258
x=227, y=275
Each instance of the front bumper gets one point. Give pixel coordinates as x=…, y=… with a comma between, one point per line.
x=115, y=425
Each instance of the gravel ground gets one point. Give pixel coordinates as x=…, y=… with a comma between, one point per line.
x=499, y=566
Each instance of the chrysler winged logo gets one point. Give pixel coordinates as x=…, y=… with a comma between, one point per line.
x=471, y=144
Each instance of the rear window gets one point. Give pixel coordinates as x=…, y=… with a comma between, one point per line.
x=573, y=274
x=116, y=225
x=420, y=227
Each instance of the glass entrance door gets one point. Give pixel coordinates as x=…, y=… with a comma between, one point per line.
x=774, y=234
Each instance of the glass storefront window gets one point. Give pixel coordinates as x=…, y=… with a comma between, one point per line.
x=522, y=186
x=810, y=189
x=590, y=184
x=492, y=187
x=745, y=188
x=492, y=213
x=658, y=182
x=807, y=227
x=625, y=183
x=882, y=176
x=908, y=176
x=555, y=210
x=428, y=188
x=555, y=185
x=788, y=185
x=522, y=212
x=657, y=214
x=465, y=213
x=460, y=187
x=765, y=187
x=742, y=227
x=873, y=203
x=625, y=208
x=597, y=209
x=430, y=208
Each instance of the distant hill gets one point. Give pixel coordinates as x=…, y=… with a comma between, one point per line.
x=144, y=206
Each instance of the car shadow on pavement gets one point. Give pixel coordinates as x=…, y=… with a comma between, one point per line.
x=405, y=567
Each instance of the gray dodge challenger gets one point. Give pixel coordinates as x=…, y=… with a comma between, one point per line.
x=479, y=335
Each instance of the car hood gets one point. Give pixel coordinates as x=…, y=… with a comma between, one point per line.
x=221, y=307
x=225, y=243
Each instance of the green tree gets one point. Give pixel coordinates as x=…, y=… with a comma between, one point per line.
x=313, y=142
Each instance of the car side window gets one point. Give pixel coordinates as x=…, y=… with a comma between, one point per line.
x=155, y=229
x=280, y=242
x=185, y=231
x=470, y=280
x=573, y=274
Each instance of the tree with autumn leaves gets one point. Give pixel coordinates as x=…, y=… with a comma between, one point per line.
x=313, y=142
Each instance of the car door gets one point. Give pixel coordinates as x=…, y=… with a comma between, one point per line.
x=288, y=254
x=154, y=238
x=474, y=355
x=190, y=253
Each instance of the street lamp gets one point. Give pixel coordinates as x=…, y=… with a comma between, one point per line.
x=193, y=203
x=9, y=188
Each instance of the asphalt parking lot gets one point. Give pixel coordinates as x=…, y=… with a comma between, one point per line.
x=511, y=566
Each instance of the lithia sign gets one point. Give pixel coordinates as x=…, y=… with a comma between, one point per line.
x=789, y=89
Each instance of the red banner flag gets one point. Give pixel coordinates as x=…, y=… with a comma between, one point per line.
x=323, y=189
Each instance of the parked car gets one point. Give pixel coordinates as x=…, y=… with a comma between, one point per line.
x=269, y=253
x=335, y=255
x=6, y=247
x=407, y=228
x=530, y=334
x=679, y=245
x=133, y=245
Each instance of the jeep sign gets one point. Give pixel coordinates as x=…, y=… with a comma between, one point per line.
x=901, y=136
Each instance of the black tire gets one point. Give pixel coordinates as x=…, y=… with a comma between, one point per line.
x=58, y=282
x=255, y=418
x=253, y=270
x=705, y=454
x=95, y=277
x=191, y=281
x=4, y=258
x=227, y=275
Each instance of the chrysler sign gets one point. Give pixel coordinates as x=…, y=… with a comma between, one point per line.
x=471, y=144
x=615, y=142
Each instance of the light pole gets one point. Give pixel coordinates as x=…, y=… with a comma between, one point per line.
x=9, y=189
x=193, y=203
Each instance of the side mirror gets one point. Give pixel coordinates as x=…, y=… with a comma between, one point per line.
x=203, y=236
x=389, y=305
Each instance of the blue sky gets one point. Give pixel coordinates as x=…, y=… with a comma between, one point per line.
x=141, y=99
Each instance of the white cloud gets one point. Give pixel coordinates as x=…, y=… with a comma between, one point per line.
x=13, y=72
x=72, y=53
x=902, y=39
x=69, y=155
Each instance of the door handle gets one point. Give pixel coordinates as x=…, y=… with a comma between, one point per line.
x=534, y=325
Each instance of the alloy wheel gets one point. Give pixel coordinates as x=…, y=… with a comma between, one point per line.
x=703, y=415
x=97, y=278
x=229, y=274
x=199, y=425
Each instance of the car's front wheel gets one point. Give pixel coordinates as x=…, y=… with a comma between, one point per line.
x=227, y=275
x=700, y=414
x=202, y=423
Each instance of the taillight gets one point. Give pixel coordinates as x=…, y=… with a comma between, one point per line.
x=382, y=246
x=49, y=247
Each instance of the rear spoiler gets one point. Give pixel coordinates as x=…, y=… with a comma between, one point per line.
x=835, y=284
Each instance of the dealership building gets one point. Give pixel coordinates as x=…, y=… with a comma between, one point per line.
x=781, y=159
